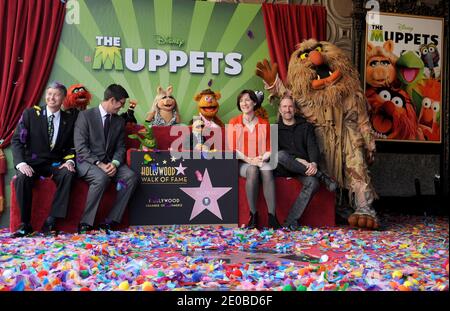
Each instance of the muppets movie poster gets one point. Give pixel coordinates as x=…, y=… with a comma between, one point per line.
x=404, y=76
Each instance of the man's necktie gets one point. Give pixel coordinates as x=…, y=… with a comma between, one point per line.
x=51, y=129
x=107, y=125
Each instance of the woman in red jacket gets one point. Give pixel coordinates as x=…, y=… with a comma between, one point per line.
x=249, y=136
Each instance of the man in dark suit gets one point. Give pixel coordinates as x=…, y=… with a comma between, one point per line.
x=42, y=145
x=100, y=146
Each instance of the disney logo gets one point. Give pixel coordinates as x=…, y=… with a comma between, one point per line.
x=166, y=40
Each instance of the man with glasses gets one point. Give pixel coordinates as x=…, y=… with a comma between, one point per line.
x=100, y=146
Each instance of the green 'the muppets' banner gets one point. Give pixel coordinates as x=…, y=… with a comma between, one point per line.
x=141, y=44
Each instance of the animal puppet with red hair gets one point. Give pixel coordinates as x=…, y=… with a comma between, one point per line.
x=77, y=99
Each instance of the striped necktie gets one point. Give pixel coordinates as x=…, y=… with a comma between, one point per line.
x=51, y=129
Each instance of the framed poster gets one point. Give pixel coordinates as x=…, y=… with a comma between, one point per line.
x=403, y=75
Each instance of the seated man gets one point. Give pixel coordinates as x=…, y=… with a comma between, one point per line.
x=298, y=155
x=100, y=146
x=42, y=145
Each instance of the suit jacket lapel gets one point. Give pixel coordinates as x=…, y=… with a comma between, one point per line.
x=44, y=126
x=111, y=129
x=62, y=128
x=98, y=117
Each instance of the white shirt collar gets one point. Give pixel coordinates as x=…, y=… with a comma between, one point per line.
x=56, y=114
x=103, y=112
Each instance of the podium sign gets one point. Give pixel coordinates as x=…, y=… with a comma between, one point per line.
x=184, y=191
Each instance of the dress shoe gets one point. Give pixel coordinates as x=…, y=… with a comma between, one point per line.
x=107, y=227
x=292, y=227
x=24, y=230
x=273, y=222
x=84, y=228
x=253, y=220
x=329, y=183
x=49, y=228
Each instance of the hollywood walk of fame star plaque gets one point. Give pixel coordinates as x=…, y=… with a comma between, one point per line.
x=191, y=191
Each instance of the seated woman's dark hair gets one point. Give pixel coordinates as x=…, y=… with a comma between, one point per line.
x=252, y=96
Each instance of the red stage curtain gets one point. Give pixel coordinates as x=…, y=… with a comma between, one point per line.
x=2, y=180
x=288, y=25
x=29, y=37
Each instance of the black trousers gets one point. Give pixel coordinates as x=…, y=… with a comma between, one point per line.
x=24, y=185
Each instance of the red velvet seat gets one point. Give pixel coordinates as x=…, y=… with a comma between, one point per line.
x=43, y=192
x=319, y=213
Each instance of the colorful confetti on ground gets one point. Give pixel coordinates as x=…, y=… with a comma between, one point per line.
x=409, y=254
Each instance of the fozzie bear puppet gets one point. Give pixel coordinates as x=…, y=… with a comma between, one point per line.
x=208, y=106
x=327, y=90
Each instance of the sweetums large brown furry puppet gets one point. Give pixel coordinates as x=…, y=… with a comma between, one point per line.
x=327, y=90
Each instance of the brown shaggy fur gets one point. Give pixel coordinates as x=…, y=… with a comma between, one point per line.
x=300, y=75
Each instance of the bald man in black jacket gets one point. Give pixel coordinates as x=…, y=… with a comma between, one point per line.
x=298, y=155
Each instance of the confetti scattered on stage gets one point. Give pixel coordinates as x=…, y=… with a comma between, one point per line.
x=410, y=254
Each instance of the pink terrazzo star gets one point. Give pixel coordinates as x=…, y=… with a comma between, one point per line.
x=206, y=196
